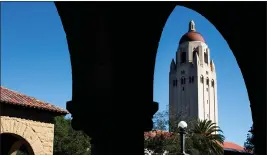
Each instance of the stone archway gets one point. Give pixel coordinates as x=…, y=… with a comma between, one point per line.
x=143, y=49
x=30, y=119
x=17, y=145
x=22, y=128
x=13, y=144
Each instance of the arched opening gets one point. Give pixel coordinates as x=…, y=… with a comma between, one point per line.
x=14, y=145
x=195, y=52
x=232, y=96
x=201, y=5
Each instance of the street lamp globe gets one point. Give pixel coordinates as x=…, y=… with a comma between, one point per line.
x=182, y=125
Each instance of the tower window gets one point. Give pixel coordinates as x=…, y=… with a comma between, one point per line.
x=183, y=88
x=206, y=57
x=175, y=82
x=192, y=80
x=207, y=81
x=201, y=79
x=183, y=57
x=182, y=80
x=189, y=79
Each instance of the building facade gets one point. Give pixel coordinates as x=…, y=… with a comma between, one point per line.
x=26, y=124
x=192, y=79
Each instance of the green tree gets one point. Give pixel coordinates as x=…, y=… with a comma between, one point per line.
x=68, y=141
x=207, y=138
x=160, y=120
x=248, y=145
x=19, y=152
x=203, y=137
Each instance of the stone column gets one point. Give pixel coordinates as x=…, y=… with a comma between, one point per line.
x=113, y=49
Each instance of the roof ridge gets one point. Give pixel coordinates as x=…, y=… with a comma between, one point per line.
x=22, y=94
x=37, y=103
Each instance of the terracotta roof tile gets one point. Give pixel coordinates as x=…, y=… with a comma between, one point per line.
x=232, y=146
x=191, y=36
x=15, y=98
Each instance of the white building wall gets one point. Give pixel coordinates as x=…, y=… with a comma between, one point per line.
x=200, y=96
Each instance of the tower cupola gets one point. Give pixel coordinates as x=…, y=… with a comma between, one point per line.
x=192, y=34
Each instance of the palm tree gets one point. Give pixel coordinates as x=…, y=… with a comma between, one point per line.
x=206, y=138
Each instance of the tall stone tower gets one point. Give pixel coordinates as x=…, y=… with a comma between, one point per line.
x=192, y=79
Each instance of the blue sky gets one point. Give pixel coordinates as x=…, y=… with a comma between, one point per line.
x=35, y=61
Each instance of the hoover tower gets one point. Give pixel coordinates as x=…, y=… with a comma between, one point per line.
x=192, y=79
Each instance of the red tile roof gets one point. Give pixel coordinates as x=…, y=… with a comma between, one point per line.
x=11, y=97
x=232, y=146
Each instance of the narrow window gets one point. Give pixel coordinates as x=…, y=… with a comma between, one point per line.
x=189, y=79
x=176, y=82
x=184, y=80
x=183, y=57
x=183, y=88
x=206, y=57
x=173, y=82
x=201, y=79
x=212, y=83
x=192, y=80
x=207, y=81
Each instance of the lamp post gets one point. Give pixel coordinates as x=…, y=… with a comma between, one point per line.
x=182, y=126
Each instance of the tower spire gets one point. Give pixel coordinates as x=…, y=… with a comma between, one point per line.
x=192, y=26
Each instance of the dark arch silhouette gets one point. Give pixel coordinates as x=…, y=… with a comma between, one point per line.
x=113, y=48
x=12, y=142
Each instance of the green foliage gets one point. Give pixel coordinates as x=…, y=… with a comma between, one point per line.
x=19, y=152
x=248, y=145
x=160, y=121
x=207, y=138
x=172, y=143
x=67, y=141
x=156, y=144
x=203, y=137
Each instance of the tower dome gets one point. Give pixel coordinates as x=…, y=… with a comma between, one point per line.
x=191, y=35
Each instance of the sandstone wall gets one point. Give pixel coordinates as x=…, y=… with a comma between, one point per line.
x=40, y=135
